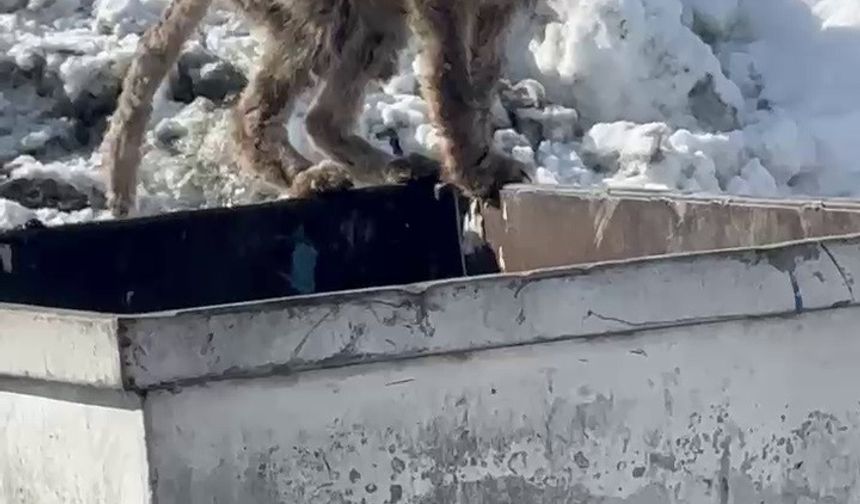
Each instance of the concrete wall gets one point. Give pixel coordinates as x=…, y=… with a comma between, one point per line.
x=723, y=377
x=750, y=411
x=69, y=434
x=62, y=444
x=485, y=312
x=79, y=348
x=727, y=378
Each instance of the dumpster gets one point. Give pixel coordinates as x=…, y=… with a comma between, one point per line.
x=666, y=360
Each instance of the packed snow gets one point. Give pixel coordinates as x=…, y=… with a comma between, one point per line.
x=746, y=97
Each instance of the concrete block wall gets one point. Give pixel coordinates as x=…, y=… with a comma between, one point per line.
x=712, y=377
x=71, y=433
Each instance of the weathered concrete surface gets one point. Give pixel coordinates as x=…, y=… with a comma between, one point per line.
x=744, y=411
x=723, y=377
x=472, y=314
x=64, y=444
x=69, y=434
x=71, y=348
x=540, y=227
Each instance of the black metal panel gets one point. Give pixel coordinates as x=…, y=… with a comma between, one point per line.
x=361, y=238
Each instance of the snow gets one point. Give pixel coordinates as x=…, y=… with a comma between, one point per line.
x=14, y=215
x=747, y=97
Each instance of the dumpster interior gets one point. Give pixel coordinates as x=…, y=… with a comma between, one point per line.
x=355, y=239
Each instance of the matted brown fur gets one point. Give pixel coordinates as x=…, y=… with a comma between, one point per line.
x=345, y=44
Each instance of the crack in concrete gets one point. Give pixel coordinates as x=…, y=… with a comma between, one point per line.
x=307, y=335
x=607, y=318
x=795, y=289
x=846, y=279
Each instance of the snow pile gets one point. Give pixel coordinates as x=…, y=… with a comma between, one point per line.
x=744, y=96
x=754, y=97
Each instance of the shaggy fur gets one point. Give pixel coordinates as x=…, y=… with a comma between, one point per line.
x=345, y=44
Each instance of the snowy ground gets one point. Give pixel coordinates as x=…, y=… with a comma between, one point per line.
x=752, y=97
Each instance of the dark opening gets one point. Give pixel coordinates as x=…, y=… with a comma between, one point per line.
x=361, y=238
